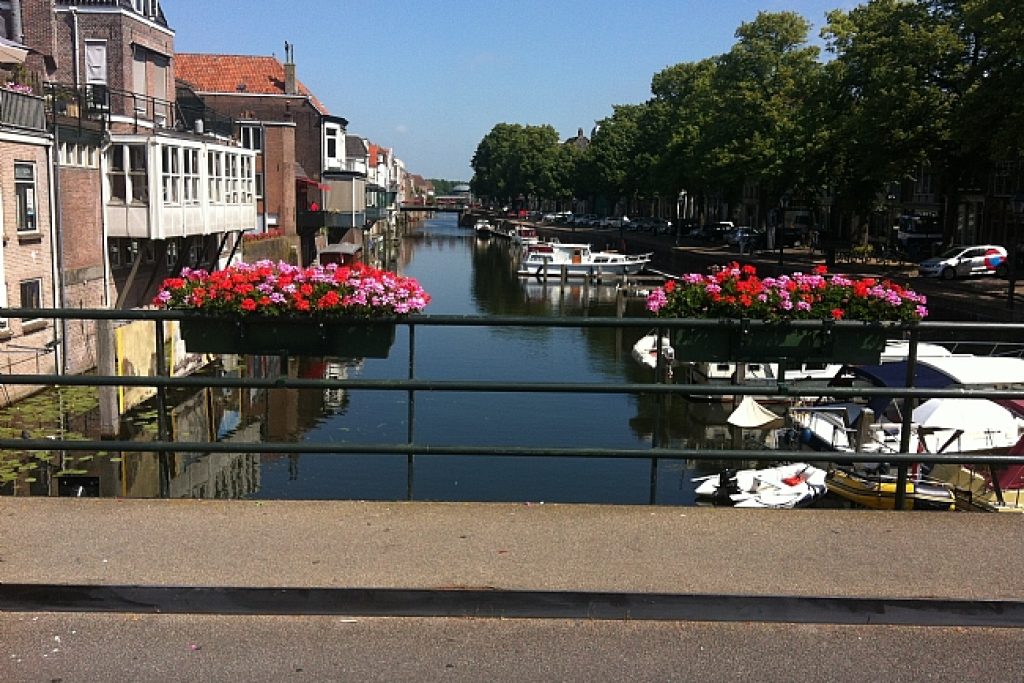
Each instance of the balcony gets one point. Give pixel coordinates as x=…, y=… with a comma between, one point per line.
x=21, y=110
x=376, y=213
x=311, y=221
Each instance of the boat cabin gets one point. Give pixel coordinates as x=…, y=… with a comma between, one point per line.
x=343, y=254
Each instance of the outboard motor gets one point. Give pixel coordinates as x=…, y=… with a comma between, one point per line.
x=726, y=486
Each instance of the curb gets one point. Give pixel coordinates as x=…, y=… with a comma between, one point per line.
x=510, y=604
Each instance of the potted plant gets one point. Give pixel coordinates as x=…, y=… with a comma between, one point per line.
x=275, y=308
x=754, y=315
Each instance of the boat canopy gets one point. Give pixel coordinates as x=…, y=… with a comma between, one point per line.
x=939, y=373
x=895, y=375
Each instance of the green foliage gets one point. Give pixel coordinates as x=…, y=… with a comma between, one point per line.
x=908, y=83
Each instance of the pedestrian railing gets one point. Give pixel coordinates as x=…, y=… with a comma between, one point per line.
x=411, y=385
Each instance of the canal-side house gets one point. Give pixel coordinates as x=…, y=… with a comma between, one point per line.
x=138, y=195
x=27, y=263
x=313, y=190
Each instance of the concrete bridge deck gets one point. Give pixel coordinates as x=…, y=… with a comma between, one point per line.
x=105, y=577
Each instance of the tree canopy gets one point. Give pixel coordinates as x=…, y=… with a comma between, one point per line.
x=906, y=85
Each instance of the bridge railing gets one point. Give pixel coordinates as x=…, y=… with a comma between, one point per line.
x=412, y=386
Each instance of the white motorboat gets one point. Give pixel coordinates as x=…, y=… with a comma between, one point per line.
x=783, y=486
x=552, y=259
x=483, y=228
x=524, y=235
x=645, y=351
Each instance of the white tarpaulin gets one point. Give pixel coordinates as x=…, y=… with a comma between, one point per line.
x=750, y=414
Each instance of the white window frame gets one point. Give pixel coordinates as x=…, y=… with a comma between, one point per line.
x=190, y=176
x=251, y=137
x=27, y=205
x=171, y=175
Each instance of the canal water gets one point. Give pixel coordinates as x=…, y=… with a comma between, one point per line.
x=464, y=276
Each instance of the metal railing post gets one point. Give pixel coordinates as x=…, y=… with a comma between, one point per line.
x=411, y=416
x=908, y=414
x=163, y=430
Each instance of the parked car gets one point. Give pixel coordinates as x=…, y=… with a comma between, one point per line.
x=618, y=222
x=752, y=238
x=715, y=232
x=983, y=259
x=660, y=226
x=641, y=224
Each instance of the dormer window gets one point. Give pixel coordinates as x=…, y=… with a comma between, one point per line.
x=149, y=8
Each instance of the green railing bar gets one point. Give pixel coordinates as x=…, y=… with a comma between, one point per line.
x=487, y=386
x=509, y=451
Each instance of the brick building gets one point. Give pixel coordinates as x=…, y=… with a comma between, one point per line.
x=139, y=192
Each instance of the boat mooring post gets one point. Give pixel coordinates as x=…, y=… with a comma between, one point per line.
x=908, y=410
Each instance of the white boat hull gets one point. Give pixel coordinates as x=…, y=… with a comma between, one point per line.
x=785, y=486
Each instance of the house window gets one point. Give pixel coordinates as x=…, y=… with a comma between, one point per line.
x=247, y=180
x=332, y=144
x=190, y=175
x=252, y=137
x=149, y=8
x=232, y=179
x=25, y=192
x=137, y=173
x=114, y=249
x=172, y=255
x=259, y=185
x=32, y=297
x=196, y=254
x=215, y=171
x=131, y=251
x=127, y=174
x=171, y=176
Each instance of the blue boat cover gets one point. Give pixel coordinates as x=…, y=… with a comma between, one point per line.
x=895, y=375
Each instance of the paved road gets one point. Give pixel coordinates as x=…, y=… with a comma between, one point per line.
x=87, y=648
x=752, y=583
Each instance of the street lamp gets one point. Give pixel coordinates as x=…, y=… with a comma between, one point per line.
x=780, y=227
x=680, y=209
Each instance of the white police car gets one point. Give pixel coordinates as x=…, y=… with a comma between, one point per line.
x=983, y=259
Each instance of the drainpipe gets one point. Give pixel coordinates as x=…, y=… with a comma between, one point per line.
x=57, y=263
x=75, y=41
x=263, y=159
x=16, y=27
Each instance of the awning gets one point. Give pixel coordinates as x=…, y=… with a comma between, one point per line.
x=302, y=177
x=12, y=52
x=313, y=183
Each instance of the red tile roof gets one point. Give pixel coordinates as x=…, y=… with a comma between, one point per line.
x=236, y=73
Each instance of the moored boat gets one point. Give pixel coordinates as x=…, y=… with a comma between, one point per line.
x=551, y=259
x=877, y=490
x=783, y=486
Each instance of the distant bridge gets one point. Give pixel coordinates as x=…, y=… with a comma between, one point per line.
x=444, y=208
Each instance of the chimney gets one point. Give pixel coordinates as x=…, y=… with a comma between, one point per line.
x=289, y=69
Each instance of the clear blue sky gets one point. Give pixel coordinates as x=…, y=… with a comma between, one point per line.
x=431, y=79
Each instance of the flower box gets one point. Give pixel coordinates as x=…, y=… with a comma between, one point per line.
x=289, y=336
x=732, y=342
x=267, y=308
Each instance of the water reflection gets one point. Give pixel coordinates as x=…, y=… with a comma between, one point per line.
x=464, y=276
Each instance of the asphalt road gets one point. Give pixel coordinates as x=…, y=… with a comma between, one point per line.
x=184, y=648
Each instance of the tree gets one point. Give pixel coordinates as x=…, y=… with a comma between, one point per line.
x=758, y=131
x=897, y=78
x=513, y=160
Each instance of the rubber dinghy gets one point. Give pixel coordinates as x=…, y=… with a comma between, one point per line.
x=784, y=486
